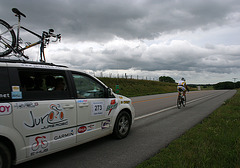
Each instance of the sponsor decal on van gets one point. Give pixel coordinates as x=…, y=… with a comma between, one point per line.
x=82, y=129
x=97, y=108
x=52, y=119
x=20, y=105
x=4, y=95
x=125, y=102
x=64, y=134
x=39, y=144
x=86, y=128
x=5, y=108
x=105, y=124
x=113, y=105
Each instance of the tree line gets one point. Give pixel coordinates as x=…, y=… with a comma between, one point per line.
x=218, y=86
x=227, y=85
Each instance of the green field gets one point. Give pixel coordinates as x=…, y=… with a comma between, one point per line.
x=134, y=87
x=213, y=143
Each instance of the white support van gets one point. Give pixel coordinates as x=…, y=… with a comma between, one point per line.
x=45, y=108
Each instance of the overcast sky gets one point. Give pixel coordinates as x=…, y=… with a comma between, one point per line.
x=195, y=39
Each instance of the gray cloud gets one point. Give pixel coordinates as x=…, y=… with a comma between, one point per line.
x=190, y=37
x=94, y=20
x=176, y=56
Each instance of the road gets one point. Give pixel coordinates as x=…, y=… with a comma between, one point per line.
x=157, y=123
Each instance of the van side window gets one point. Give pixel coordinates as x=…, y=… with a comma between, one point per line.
x=47, y=83
x=5, y=92
x=87, y=87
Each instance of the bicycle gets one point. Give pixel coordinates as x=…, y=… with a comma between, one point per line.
x=9, y=42
x=181, y=100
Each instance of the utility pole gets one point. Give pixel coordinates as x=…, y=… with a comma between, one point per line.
x=234, y=79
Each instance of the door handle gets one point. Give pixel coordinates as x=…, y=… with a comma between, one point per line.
x=68, y=106
x=83, y=105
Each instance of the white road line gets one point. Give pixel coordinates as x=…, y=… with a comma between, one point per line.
x=160, y=111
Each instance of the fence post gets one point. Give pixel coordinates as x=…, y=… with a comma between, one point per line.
x=117, y=88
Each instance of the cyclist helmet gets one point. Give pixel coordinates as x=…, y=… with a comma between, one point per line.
x=183, y=79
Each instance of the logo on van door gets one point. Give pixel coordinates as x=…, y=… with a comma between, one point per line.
x=54, y=118
x=39, y=144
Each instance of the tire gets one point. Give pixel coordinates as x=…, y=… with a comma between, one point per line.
x=7, y=40
x=122, y=125
x=5, y=156
x=179, y=102
x=184, y=101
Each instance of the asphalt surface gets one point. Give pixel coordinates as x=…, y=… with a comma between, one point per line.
x=157, y=123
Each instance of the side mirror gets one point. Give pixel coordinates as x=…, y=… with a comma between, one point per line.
x=109, y=92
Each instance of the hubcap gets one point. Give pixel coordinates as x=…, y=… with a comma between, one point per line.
x=123, y=125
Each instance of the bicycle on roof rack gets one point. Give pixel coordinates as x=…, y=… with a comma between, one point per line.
x=9, y=42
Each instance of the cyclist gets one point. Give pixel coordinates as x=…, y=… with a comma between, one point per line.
x=182, y=86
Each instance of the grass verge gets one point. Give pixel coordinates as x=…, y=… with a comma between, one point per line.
x=215, y=142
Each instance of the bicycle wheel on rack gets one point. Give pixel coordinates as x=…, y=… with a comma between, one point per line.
x=179, y=102
x=7, y=39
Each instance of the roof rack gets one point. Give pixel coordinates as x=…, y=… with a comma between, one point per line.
x=30, y=62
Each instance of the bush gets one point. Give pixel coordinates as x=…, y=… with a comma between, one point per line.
x=224, y=85
x=166, y=79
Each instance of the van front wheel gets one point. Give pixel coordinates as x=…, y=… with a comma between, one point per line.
x=5, y=156
x=122, y=125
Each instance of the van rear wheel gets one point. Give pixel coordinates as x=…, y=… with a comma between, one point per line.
x=5, y=156
x=122, y=125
